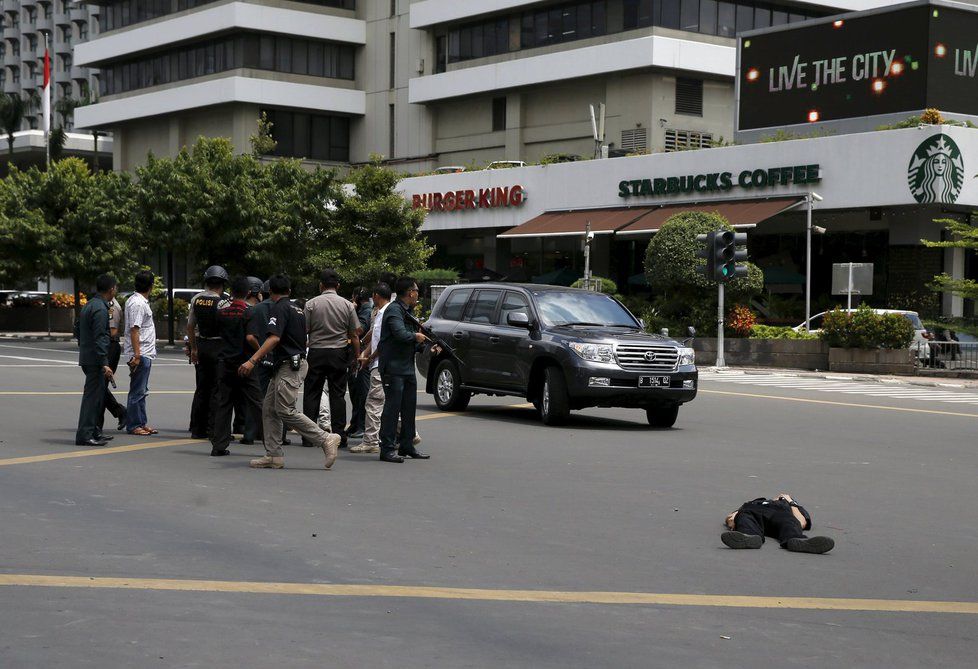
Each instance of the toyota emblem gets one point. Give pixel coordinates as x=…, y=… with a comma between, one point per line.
x=650, y=356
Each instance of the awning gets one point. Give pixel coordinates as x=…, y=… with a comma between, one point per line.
x=563, y=223
x=737, y=212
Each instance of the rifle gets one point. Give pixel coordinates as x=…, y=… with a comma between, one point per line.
x=433, y=338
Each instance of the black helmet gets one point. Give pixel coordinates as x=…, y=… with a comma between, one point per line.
x=266, y=288
x=216, y=272
x=254, y=285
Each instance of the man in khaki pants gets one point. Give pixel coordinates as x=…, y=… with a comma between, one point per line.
x=375, y=396
x=287, y=343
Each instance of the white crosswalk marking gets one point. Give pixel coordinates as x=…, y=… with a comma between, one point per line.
x=846, y=386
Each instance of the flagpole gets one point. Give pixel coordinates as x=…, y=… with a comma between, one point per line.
x=46, y=103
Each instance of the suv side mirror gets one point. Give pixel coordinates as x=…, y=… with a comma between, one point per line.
x=518, y=319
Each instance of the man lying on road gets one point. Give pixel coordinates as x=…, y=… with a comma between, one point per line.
x=781, y=518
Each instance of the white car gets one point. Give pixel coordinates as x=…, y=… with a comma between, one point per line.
x=920, y=334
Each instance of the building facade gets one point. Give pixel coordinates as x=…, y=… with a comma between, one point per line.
x=25, y=24
x=424, y=83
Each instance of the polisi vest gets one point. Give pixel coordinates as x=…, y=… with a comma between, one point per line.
x=205, y=312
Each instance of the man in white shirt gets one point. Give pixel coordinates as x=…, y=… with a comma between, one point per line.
x=375, y=396
x=139, y=350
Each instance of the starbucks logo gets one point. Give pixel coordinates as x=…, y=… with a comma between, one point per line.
x=936, y=172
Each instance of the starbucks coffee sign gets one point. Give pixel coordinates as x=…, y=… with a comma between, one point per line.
x=760, y=178
x=936, y=171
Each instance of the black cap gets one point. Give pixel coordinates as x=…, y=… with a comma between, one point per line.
x=254, y=285
x=216, y=272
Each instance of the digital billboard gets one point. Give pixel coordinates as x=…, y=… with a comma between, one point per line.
x=904, y=60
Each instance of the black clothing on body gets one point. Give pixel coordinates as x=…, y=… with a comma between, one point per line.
x=328, y=366
x=205, y=308
x=397, y=345
x=771, y=518
x=287, y=322
x=229, y=385
x=93, y=333
x=400, y=401
x=92, y=404
x=233, y=319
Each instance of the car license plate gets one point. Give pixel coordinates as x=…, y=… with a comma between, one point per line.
x=653, y=381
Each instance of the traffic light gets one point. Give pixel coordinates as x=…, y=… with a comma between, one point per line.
x=707, y=251
x=726, y=255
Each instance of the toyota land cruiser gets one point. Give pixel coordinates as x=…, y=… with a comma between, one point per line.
x=561, y=348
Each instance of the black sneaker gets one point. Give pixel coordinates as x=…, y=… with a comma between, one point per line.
x=809, y=545
x=740, y=540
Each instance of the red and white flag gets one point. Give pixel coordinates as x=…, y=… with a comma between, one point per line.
x=46, y=97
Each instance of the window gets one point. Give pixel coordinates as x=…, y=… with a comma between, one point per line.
x=314, y=136
x=393, y=8
x=392, y=136
x=679, y=140
x=454, y=304
x=689, y=15
x=513, y=303
x=727, y=19
x=498, y=114
x=689, y=96
x=483, y=308
x=708, y=17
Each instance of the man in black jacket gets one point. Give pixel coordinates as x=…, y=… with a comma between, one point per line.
x=399, y=341
x=781, y=518
x=93, y=357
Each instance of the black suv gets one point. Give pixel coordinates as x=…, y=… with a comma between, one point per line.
x=561, y=348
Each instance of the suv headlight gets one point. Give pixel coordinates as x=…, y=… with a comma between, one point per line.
x=594, y=352
x=687, y=356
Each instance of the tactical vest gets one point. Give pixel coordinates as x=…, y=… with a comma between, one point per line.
x=205, y=311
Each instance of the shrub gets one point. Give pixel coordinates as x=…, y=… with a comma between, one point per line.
x=740, y=321
x=181, y=308
x=66, y=300
x=606, y=286
x=430, y=277
x=864, y=328
x=771, y=332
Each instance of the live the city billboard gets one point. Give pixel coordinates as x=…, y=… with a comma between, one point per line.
x=905, y=59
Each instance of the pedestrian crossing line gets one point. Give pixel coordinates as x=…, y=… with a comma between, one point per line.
x=129, y=448
x=490, y=595
x=847, y=405
x=923, y=394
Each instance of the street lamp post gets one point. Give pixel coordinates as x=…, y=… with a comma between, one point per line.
x=811, y=199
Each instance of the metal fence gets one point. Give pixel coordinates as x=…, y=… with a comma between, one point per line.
x=951, y=355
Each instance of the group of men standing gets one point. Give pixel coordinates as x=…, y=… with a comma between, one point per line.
x=105, y=334
x=253, y=355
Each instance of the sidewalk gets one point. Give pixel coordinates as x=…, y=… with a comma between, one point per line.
x=928, y=381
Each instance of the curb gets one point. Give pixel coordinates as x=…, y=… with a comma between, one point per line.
x=862, y=378
x=161, y=344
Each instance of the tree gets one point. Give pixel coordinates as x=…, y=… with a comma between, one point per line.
x=262, y=142
x=686, y=297
x=12, y=112
x=963, y=236
x=27, y=240
x=374, y=229
x=92, y=216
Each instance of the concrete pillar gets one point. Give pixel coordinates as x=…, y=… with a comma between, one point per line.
x=514, y=126
x=175, y=139
x=952, y=305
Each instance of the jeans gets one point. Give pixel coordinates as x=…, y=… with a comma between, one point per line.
x=138, y=390
x=400, y=402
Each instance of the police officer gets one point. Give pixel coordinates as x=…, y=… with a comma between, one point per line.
x=257, y=334
x=233, y=317
x=286, y=342
x=93, y=357
x=204, y=337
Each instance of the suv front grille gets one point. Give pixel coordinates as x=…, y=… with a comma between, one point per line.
x=636, y=357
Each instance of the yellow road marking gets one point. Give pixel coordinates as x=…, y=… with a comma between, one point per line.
x=478, y=594
x=841, y=404
x=97, y=451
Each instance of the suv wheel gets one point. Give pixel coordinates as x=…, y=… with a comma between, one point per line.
x=554, y=403
x=449, y=395
x=662, y=416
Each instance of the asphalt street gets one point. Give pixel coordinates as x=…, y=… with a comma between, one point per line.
x=517, y=545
